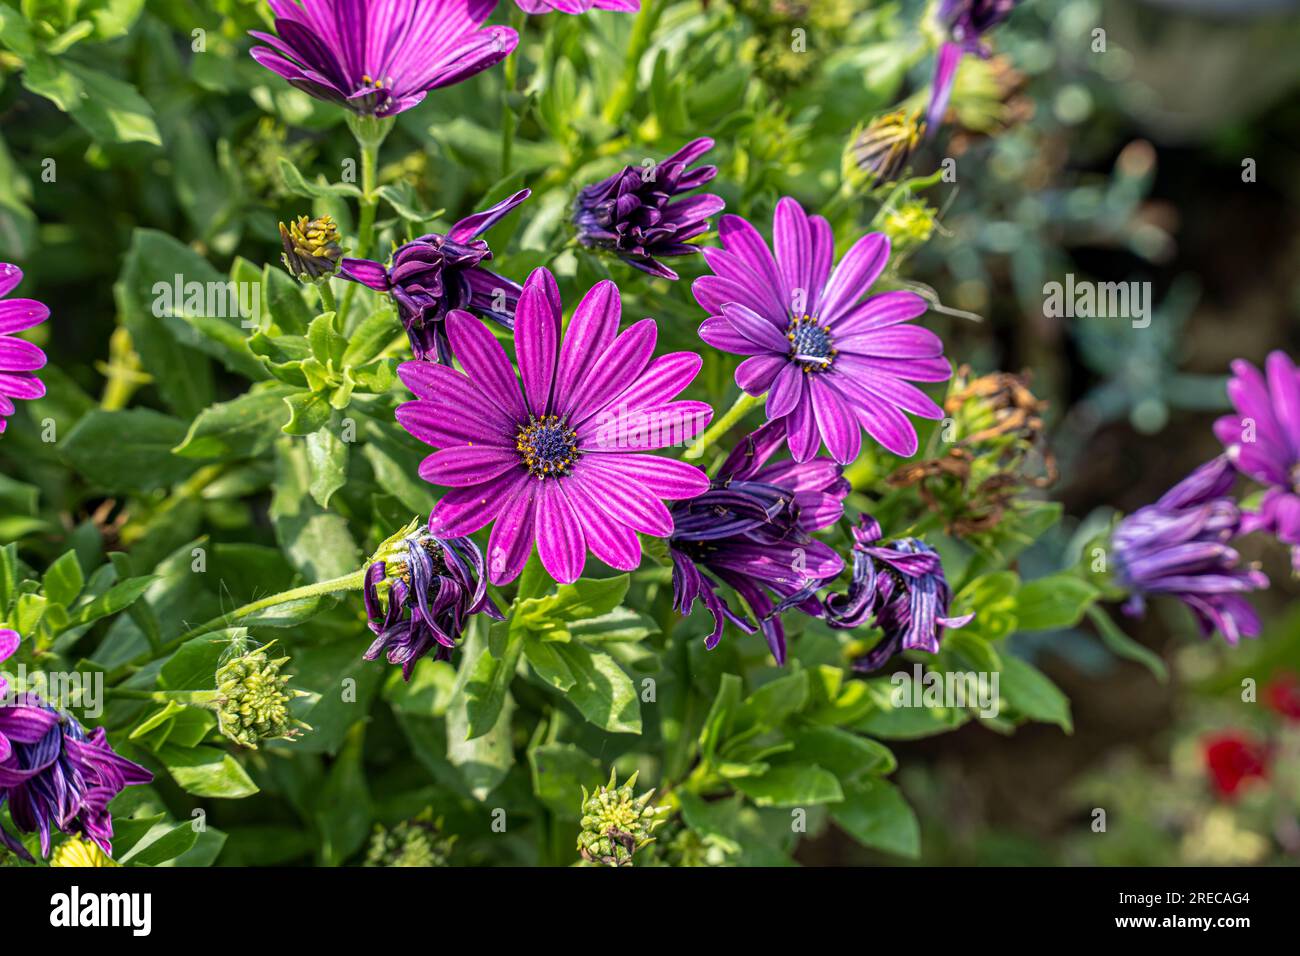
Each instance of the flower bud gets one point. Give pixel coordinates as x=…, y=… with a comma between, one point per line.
x=77, y=851
x=254, y=704
x=615, y=823
x=878, y=154
x=909, y=225
x=417, y=842
x=312, y=248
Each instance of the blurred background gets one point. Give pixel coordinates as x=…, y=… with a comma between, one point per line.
x=1165, y=149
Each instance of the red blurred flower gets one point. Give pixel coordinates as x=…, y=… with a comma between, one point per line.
x=1282, y=694
x=1232, y=758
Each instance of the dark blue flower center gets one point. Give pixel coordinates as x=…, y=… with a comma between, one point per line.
x=548, y=446
x=810, y=344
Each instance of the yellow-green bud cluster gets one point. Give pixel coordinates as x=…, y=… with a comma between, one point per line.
x=254, y=703
x=312, y=248
x=78, y=851
x=909, y=225
x=616, y=823
x=418, y=842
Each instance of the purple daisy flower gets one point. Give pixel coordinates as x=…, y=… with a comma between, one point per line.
x=1263, y=442
x=53, y=773
x=966, y=22
x=434, y=274
x=577, y=6
x=432, y=592
x=19, y=359
x=752, y=530
x=899, y=587
x=380, y=57
x=636, y=215
x=830, y=365
x=557, y=461
x=1179, y=546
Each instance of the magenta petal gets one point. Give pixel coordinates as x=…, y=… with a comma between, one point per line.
x=754, y=327
x=643, y=428
x=662, y=477
x=609, y=540
x=801, y=430
x=836, y=422
x=945, y=72
x=590, y=333
x=719, y=333
x=462, y=511
x=9, y=639
x=662, y=380
x=792, y=240
x=560, y=542
x=471, y=227
x=444, y=424
x=486, y=362
x=787, y=389
x=537, y=338
x=622, y=362
x=467, y=465
x=19, y=355
x=609, y=477
x=17, y=315
x=511, y=541
x=370, y=274
x=756, y=374
x=21, y=385
x=859, y=268
x=1284, y=387
x=10, y=277
x=879, y=312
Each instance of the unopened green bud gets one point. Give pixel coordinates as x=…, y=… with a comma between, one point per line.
x=254, y=702
x=312, y=248
x=418, y=842
x=78, y=851
x=616, y=823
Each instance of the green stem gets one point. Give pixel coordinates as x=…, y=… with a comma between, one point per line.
x=348, y=582
x=190, y=698
x=642, y=30
x=510, y=78
x=745, y=403
x=327, y=302
x=370, y=136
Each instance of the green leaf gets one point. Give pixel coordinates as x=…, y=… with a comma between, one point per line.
x=546, y=661
x=795, y=785
x=128, y=450
x=845, y=754
x=207, y=772
x=369, y=338
x=146, y=291
x=241, y=428
x=343, y=809
x=1124, y=646
x=1056, y=601
x=298, y=185
x=601, y=691
x=63, y=579
x=117, y=598
x=193, y=666
x=771, y=704
x=1030, y=692
x=284, y=300
x=316, y=542
x=622, y=625
x=327, y=457
x=162, y=843
x=717, y=725
x=875, y=814
x=110, y=110
x=489, y=677
x=584, y=598
x=559, y=773
x=308, y=412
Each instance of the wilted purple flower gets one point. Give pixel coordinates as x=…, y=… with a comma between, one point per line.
x=1179, y=546
x=380, y=57
x=966, y=22
x=52, y=773
x=831, y=366
x=899, y=587
x=752, y=531
x=1263, y=442
x=577, y=6
x=434, y=274
x=635, y=213
x=434, y=586
x=556, y=463
x=18, y=357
